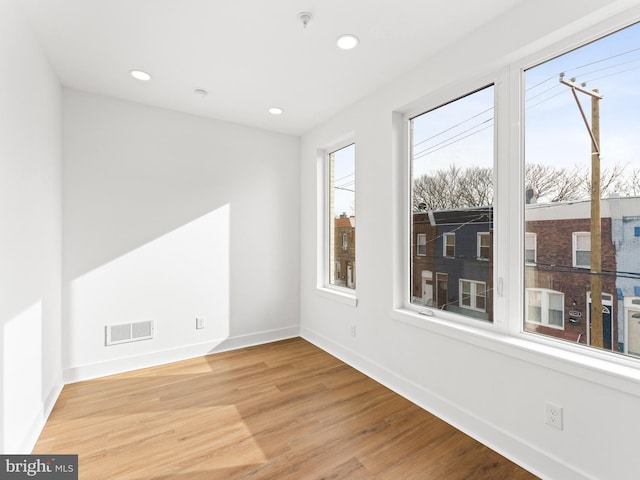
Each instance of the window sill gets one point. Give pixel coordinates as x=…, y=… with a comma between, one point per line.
x=338, y=295
x=602, y=368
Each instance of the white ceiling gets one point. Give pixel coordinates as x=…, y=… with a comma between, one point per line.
x=248, y=54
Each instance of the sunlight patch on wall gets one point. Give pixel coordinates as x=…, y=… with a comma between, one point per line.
x=172, y=280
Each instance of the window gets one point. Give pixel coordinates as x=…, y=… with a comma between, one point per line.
x=484, y=246
x=530, y=245
x=342, y=219
x=473, y=295
x=451, y=156
x=545, y=307
x=562, y=232
x=582, y=249
x=449, y=245
x=581, y=191
x=422, y=245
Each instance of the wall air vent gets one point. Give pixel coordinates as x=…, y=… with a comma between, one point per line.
x=128, y=332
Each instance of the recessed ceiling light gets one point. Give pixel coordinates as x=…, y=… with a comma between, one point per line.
x=276, y=111
x=140, y=75
x=347, y=41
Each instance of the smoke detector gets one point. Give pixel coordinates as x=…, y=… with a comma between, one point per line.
x=305, y=18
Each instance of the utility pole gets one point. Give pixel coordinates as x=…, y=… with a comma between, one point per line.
x=597, y=334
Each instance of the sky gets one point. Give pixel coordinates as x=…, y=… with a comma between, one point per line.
x=555, y=134
x=555, y=130
x=344, y=181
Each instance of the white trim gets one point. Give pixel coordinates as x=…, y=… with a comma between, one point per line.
x=422, y=236
x=338, y=294
x=325, y=257
x=544, y=306
x=574, y=248
x=535, y=247
x=515, y=449
x=473, y=294
x=33, y=431
x=161, y=357
x=479, y=237
x=445, y=237
x=604, y=368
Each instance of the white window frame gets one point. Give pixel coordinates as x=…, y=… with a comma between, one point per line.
x=421, y=241
x=544, y=307
x=445, y=237
x=479, y=238
x=473, y=293
x=534, y=238
x=574, y=248
x=506, y=334
x=325, y=262
x=345, y=241
x=415, y=313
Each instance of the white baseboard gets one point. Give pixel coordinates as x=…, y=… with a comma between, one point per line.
x=120, y=365
x=505, y=443
x=33, y=430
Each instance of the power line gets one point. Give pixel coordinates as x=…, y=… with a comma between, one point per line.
x=452, y=127
x=417, y=154
x=602, y=60
x=425, y=153
x=345, y=176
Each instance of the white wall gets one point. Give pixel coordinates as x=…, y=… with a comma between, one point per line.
x=30, y=239
x=493, y=388
x=168, y=216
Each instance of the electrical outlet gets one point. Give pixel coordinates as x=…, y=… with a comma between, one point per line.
x=553, y=415
x=199, y=322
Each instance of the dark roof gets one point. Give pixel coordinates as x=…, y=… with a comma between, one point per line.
x=455, y=216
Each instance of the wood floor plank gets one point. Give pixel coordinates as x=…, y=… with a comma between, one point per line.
x=285, y=411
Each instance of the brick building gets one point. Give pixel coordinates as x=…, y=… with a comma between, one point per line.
x=557, y=278
x=452, y=266
x=344, y=251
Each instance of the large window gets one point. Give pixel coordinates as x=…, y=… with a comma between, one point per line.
x=342, y=217
x=451, y=195
x=473, y=295
x=544, y=307
x=581, y=190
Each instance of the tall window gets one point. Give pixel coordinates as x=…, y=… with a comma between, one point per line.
x=484, y=245
x=582, y=249
x=342, y=217
x=581, y=190
x=451, y=166
x=422, y=245
x=449, y=245
x=530, y=247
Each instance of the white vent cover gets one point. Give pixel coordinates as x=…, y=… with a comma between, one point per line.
x=128, y=332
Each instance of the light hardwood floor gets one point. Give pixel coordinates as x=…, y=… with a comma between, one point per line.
x=285, y=410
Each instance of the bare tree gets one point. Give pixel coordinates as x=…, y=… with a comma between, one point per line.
x=612, y=180
x=454, y=187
